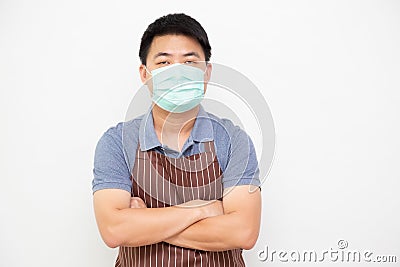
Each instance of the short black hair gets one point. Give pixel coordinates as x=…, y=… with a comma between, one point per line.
x=180, y=24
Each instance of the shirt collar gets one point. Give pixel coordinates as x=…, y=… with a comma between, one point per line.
x=202, y=130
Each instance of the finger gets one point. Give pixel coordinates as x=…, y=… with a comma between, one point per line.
x=137, y=202
x=133, y=203
x=140, y=202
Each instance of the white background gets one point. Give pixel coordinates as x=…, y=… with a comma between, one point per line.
x=328, y=69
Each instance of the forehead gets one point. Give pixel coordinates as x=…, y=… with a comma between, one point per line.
x=175, y=45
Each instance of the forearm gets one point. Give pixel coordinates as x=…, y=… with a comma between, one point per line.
x=138, y=227
x=238, y=227
x=224, y=232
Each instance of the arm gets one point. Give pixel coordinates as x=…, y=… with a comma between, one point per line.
x=119, y=225
x=238, y=227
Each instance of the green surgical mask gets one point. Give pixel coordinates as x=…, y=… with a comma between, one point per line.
x=178, y=88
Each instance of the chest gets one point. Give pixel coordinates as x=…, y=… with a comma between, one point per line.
x=163, y=181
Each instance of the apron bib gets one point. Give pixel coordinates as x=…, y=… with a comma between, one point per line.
x=163, y=181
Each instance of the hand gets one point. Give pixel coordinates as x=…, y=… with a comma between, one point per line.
x=214, y=208
x=209, y=208
x=137, y=203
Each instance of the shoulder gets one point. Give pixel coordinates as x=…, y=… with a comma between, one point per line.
x=235, y=152
x=111, y=139
x=114, y=156
x=230, y=140
x=119, y=141
x=113, y=133
x=121, y=130
x=225, y=130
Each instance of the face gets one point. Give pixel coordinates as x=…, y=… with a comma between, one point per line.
x=171, y=49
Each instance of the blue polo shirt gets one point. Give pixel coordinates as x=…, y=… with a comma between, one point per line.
x=116, y=150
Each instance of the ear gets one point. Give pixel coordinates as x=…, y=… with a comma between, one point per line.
x=207, y=75
x=144, y=75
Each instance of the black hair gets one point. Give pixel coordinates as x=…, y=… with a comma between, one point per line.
x=180, y=24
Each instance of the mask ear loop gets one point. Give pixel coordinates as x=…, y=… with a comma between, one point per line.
x=205, y=68
x=147, y=70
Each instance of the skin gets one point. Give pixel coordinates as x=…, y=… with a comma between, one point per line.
x=215, y=225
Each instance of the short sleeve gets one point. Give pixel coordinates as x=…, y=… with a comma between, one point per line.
x=110, y=167
x=242, y=166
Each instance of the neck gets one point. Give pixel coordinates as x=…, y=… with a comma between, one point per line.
x=173, y=124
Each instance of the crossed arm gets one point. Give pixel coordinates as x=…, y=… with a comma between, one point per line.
x=231, y=223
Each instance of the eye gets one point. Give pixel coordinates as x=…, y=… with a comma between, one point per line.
x=163, y=63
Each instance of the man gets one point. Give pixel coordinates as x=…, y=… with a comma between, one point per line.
x=181, y=187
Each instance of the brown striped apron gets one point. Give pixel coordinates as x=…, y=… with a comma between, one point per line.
x=163, y=181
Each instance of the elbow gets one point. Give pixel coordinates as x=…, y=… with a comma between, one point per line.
x=248, y=244
x=111, y=243
x=110, y=238
x=248, y=239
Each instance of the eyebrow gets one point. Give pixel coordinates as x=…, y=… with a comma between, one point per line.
x=159, y=54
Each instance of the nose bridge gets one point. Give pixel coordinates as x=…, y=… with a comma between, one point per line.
x=178, y=58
